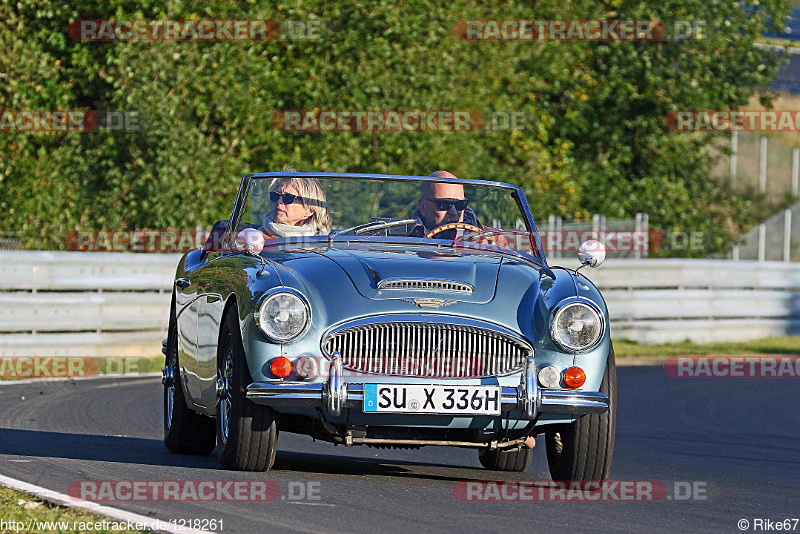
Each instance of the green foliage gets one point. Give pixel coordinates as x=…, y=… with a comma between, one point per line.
x=598, y=143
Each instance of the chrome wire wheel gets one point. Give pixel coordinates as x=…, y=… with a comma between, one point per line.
x=224, y=389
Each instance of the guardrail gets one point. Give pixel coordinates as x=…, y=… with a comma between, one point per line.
x=662, y=301
x=117, y=304
x=84, y=304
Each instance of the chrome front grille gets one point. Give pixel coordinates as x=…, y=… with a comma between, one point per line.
x=430, y=350
x=426, y=284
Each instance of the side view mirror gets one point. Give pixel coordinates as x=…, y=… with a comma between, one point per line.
x=592, y=253
x=249, y=241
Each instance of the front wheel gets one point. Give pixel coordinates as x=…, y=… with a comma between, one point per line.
x=583, y=450
x=247, y=432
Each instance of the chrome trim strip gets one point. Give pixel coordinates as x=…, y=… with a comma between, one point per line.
x=575, y=402
x=238, y=203
x=395, y=177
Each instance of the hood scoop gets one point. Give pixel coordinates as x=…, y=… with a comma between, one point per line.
x=426, y=284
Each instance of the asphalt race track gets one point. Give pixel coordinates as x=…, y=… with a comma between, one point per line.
x=738, y=439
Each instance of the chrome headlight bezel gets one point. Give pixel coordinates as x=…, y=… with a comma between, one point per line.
x=563, y=305
x=271, y=293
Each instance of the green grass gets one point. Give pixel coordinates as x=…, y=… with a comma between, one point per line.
x=21, y=507
x=771, y=345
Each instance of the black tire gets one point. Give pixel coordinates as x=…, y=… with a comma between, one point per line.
x=500, y=460
x=583, y=450
x=185, y=431
x=248, y=434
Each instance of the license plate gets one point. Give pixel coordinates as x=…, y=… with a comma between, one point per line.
x=396, y=398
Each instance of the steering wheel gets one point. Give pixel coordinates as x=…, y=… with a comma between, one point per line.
x=453, y=226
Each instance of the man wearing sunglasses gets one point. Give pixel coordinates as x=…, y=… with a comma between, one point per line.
x=443, y=203
x=440, y=204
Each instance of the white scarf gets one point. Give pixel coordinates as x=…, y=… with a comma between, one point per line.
x=287, y=230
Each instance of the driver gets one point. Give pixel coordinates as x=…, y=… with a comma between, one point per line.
x=440, y=204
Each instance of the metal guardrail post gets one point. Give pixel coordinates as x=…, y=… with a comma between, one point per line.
x=646, y=230
x=560, y=237
x=637, y=227
x=762, y=167
x=787, y=235
x=762, y=242
x=795, y=170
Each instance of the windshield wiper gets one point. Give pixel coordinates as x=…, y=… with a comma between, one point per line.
x=370, y=227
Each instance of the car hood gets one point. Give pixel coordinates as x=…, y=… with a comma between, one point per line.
x=507, y=288
x=368, y=268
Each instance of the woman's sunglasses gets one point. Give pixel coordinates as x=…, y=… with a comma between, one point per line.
x=288, y=198
x=445, y=205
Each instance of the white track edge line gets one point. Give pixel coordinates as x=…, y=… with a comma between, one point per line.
x=55, y=497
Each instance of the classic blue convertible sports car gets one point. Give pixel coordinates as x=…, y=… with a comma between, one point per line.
x=388, y=311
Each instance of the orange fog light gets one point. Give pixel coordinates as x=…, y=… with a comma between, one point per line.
x=281, y=367
x=574, y=377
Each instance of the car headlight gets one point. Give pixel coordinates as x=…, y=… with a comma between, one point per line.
x=283, y=315
x=576, y=325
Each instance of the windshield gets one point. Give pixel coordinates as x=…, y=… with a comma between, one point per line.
x=376, y=209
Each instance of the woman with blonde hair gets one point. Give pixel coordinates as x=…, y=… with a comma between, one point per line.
x=300, y=208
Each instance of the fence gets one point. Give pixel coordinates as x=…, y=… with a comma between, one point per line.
x=776, y=239
x=103, y=304
x=759, y=163
x=557, y=232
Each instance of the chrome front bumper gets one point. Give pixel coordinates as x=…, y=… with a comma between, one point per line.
x=335, y=394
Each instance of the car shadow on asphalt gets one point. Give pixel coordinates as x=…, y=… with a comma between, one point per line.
x=121, y=449
x=143, y=451
x=348, y=465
